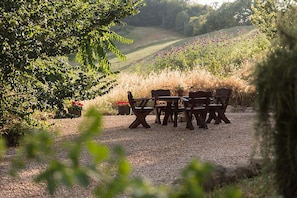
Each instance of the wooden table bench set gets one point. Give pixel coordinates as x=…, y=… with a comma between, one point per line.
x=202, y=106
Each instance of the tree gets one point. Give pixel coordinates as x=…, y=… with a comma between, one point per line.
x=181, y=20
x=265, y=15
x=277, y=104
x=171, y=14
x=228, y=15
x=150, y=15
x=158, y=13
x=35, y=32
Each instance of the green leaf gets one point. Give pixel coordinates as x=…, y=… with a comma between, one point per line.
x=67, y=177
x=2, y=148
x=98, y=152
x=82, y=177
x=51, y=176
x=124, y=168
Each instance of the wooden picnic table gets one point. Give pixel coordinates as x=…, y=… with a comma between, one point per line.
x=171, y=108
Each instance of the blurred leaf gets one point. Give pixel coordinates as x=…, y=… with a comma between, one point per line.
x=67, y=177
x=98, y=152
x=51, y=175
x=124, y=168
x=82, y=177
x=38, y=144
x=92, y=124
x=2, y=148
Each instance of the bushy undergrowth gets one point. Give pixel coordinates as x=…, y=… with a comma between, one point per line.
x=259, y=186
x=221, y=53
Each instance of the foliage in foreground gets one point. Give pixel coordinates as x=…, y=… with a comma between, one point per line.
x=276, y=84
x=110, y=169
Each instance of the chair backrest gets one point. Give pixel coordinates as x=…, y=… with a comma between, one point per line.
x=159, y=92
x=200, y=98
x=131, y=101
x=222, y=96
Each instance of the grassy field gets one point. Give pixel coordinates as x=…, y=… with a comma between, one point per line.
x=141, y=54
x=146, y=36
x=146, y=42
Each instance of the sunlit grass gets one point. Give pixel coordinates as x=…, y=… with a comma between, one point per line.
x=139, y=55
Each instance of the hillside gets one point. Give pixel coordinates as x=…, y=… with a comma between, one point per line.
x=146, y=36
x=149, y=40
x=146, y=42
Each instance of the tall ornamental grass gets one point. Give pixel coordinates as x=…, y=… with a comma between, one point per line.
x=192, y=79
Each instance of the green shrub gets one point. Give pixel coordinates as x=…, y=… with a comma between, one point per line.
x=276, y=82
x=13, y=135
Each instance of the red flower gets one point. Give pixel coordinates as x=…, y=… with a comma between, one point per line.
x=75, y=106
x=122, y=103
x=76, y=103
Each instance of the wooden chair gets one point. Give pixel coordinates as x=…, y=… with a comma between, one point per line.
x=140, y=110
x=159, y=106
x=218, y=108
x=197, y=105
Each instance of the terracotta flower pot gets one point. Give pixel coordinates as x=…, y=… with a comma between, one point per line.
x=74, y=112
x=124, y=110
x=180, y=92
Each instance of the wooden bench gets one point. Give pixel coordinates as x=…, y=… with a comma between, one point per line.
x=159, y=105
x=140, y=110
x=218, y=108
x=196, y=104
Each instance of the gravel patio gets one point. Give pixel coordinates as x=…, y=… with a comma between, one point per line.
x=158, y=153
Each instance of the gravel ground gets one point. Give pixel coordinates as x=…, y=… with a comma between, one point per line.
x=158, y=153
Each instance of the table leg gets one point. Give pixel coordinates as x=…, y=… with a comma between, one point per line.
x=167, y=113
x=222, y=116
x=212, y=116
x=175, y=113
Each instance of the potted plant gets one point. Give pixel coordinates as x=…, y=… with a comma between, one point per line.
x=179, y=90
x=123, y=107
x=75, y=108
